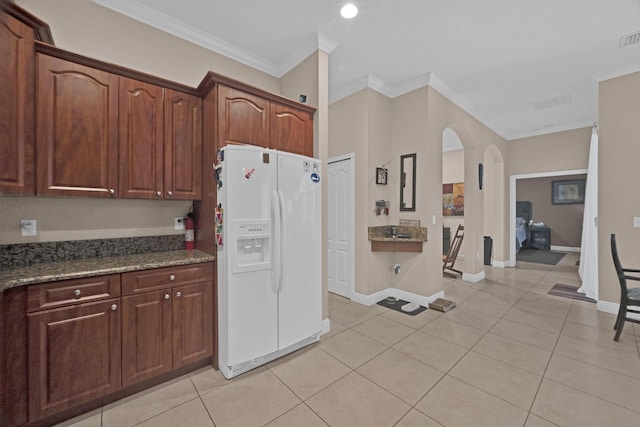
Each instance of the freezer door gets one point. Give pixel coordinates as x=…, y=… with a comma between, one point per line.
x=300, y=293
x=248, y=179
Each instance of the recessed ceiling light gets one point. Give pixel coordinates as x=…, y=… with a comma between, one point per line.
x=349, y=11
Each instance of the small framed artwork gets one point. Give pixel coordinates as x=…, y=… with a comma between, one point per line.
x=568, y=192
x=381, y=176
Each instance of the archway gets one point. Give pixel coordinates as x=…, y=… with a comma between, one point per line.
x=452, y=177
x=494, y=206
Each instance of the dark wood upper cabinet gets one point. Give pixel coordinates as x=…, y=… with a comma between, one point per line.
x=105, y=135
x=182, y=146
x=141, y=136
x=291, y=130
x=77, y=122
x=242, y=118
x=17, y=131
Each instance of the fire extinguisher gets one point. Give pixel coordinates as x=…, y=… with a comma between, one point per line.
x=189, y=232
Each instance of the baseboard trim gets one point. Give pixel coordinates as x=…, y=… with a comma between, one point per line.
x=372, y=299
x=473, y=278
x=612, y=307
x=565, y=248
x=326, y=326
x=499, y=264
x=608, y=307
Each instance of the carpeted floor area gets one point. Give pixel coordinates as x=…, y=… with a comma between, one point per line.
x=539, y=256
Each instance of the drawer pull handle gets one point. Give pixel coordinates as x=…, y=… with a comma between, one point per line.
x=77, y=292
x=159, y=193
x=172, y=277
x=114, y=307
x=170, y=193
x=112, y=191
x=178, y=294
x=167, y=296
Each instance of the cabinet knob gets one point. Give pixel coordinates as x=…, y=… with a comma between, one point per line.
x=172, y=277
x=159, y=193
x=167, y=296
x=178, y=294
x=77, y=292
x=170, y=193
x=112, y=191
x=114, y=307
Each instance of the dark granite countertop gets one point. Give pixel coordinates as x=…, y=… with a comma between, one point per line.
x=52, y=271
x=379, y=234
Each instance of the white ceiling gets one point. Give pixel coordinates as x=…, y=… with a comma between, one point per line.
x=521, y=67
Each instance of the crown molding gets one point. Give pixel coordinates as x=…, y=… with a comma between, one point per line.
x=146, y=15
x=149, y=16
x=616, y=72
x=464, y=104
x=551, y=129
x=314, y=43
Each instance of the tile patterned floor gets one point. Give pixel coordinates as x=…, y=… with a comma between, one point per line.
x=508, y=355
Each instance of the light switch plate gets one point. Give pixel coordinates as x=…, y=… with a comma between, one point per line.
x=636, y=222
x=28, y=227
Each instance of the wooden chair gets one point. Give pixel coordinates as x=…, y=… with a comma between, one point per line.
x=629, y=297
x=449, y=260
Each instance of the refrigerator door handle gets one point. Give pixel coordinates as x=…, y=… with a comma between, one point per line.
x=277, y=241
x=283, y=241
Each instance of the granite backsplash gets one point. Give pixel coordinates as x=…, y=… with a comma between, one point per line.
x=26, y=254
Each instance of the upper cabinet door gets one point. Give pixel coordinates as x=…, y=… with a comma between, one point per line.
x=141, y=128
x=77, y=122
x=16, y=107
x=291, y=130
x=242, y=118
x=182, y=146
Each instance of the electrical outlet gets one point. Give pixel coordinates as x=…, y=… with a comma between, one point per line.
x=178, y=223
x=28, y=227
x=636, y=221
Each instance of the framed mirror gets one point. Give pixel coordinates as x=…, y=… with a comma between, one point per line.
x=408, y=182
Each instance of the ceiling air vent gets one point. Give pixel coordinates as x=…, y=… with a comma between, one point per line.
x=556, y=101
x=630, y=39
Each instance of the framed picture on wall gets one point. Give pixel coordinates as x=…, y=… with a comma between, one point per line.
x=381, y=176
x=453, y=199
x=568, y=192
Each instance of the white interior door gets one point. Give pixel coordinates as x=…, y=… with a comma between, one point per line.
x=341, y=211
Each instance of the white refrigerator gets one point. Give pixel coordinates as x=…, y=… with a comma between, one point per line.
x=269, y=236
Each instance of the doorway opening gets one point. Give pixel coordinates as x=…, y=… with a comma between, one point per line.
x=512, y=204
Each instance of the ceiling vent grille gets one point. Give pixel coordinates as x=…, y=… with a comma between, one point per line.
x=556, y=101
x=630, y=39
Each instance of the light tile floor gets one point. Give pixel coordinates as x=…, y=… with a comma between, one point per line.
x=508, y=355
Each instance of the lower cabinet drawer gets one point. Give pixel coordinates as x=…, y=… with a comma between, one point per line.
x=160, y=278
x=73, y=291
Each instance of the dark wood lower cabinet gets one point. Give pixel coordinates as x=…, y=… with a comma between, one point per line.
x=192, y=309
x=165, y=330
x=74, y=356
x=146, y=336
x=62, y=352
